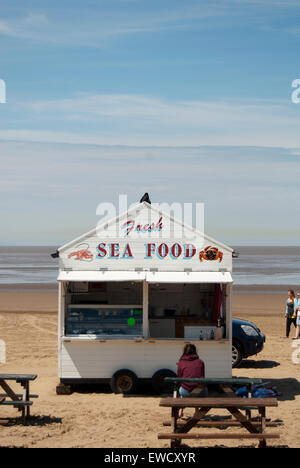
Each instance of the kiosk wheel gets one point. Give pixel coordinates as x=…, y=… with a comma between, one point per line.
x=158, y=383
x=124, y=381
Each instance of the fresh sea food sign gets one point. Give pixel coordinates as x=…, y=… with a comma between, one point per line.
x=156, y=244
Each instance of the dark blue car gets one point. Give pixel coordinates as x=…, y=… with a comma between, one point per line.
x=247, y=340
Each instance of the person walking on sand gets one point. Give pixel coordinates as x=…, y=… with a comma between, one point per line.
x=191, y=367
x=290, y=313
x=297, y=313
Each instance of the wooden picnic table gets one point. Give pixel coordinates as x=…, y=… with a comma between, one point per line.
x=21, y=401
x=229, y=401
x=233, y=405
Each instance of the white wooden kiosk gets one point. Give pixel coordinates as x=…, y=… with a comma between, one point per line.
x=132, y=292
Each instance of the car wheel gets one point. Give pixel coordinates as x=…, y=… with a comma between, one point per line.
x=237, y=354
x=124, y=381
x=158, y=383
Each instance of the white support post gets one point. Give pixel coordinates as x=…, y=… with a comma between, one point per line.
x=229, y=325
x=61, y=321
x=61, y=308
x=59, y=327
x=229, y=312
x=145, y=310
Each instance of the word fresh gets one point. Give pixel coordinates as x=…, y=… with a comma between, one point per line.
x=140, y=228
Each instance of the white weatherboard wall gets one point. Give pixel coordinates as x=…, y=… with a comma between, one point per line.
x=90, y=360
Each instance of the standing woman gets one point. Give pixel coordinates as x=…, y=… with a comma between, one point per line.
x=297, y=313
x=290, y=313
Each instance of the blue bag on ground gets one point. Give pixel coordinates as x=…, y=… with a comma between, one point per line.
x=263, y=393
x=242, y=392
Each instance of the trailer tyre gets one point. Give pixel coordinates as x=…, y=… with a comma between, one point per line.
x=124, y=381
x=158, y=383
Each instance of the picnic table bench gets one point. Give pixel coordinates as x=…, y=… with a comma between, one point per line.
x=228, y=401
x=21, y=401
x=225, y=385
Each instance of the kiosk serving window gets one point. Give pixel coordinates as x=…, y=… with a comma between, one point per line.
x=175, y=310
x=190, y=311
x=104, y=309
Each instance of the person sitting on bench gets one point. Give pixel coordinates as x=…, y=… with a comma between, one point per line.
x=192, y=367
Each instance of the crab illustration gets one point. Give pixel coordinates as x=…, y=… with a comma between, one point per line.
x=83, y=254
x=210, y=253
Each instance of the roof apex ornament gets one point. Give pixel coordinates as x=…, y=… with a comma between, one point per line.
x=145, y=198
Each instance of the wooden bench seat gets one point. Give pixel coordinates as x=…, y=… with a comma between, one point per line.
x=17, y=403
x=217, y=435
x=19, y=395
x=227, y=402
x=19, y=377
x=223, y=424
x=217, y=381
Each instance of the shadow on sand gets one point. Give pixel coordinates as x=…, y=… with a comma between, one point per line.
x=236, y=446
x=249, y=364
x=143, y=390
x=32, y=421
x=287, y=388
x=91, y=388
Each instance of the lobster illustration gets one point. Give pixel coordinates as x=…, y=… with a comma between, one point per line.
x=210, y=253
x=82, y=255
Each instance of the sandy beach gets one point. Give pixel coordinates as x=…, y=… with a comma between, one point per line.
x=28, y=324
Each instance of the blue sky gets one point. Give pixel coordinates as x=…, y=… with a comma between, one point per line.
x=190, y=100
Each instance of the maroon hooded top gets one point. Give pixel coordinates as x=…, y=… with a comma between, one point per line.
x=191, y=367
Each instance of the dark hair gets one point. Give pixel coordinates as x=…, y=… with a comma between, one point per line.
x=292, y=292
x=189, y=350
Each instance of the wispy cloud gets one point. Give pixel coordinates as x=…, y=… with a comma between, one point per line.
x=291, y=30
x=146, y=120
x=99, y=25
x=272, y=3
